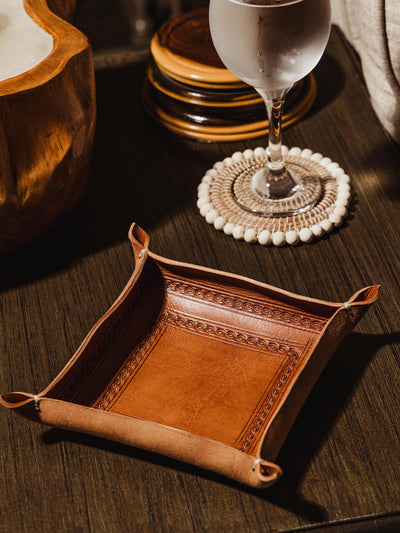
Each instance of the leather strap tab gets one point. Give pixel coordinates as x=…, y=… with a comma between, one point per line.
x=139, y=239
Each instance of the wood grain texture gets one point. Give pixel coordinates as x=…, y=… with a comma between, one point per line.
x=47, y=120
x=341, y=460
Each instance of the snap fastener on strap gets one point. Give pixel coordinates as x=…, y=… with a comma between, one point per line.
x=142, y=252
x=349, y=309
x=266, y=472
x=37, y=400
x=257, y=462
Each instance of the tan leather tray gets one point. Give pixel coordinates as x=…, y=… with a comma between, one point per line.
x=202, y=366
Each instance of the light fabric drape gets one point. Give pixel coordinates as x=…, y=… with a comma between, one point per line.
x=373, y=28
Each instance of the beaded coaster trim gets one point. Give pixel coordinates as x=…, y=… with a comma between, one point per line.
x=219, y=208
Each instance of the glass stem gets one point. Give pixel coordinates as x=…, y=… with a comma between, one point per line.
x=274, y=103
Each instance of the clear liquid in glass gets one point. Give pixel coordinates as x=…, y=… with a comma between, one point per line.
x=270, y=45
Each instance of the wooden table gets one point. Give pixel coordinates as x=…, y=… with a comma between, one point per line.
x=341, y=460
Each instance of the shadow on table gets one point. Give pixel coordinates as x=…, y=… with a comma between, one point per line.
x=330, y=80
x=140, y=172
x=308, y=433
x=322, y=408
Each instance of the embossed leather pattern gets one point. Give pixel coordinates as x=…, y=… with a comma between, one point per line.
x=200, y=365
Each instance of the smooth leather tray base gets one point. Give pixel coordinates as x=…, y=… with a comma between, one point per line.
x=199, y=365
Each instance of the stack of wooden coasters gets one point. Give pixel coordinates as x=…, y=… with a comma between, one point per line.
x=189, y=91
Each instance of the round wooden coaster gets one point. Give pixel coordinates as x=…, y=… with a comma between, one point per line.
x=183, y=49
x=217, y=120
x=217, y=203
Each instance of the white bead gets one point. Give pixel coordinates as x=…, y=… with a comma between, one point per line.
x=325, y=161
x=278, y=238
x=207, y=180
x=201, y=201
x=228, y=161
x=335, y=219
x=205, y=208
x=306, y=235
x=292, y=237
x=248, y=154
x=342, y=200
x=250, y=235
x=343, y=197
x=343, y=194
x=264, y=237
x=259, y=152
x=295, y=151
x=219, y=165
x=204, y=195
x=228, y=228
x=340, y=210
x=212, y=172
x=317, y=230
x=237, y=156
x=219, y=223
x=337, y=172
x=316, y=157
x=343, y=189
x=205, y=199
x=203, y=187
x=343, y=179
x=211, y=216
x=326, y=225
x=306, y=153
x=285, y=150
x=238, y=232
x=332, y=167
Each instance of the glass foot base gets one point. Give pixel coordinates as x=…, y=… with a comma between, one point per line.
x=233, y=198
x=297, y=192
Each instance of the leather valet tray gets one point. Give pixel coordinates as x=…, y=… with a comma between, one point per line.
x=202, y=366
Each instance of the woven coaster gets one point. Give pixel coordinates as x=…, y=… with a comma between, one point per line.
x=217, y=204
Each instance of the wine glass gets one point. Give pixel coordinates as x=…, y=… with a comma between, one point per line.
x=271, y=45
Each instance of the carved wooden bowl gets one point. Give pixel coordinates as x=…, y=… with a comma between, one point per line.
x=47, y=117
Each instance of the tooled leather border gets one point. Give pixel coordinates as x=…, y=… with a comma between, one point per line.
x=243, y=304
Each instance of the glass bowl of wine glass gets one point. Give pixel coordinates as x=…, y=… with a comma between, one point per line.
x=271, y=45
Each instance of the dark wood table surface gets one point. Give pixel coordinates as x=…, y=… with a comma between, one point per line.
x=341, y=460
